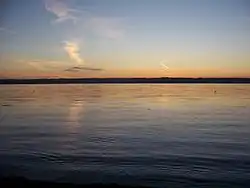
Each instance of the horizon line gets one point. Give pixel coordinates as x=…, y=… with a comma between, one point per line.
x=54, y=78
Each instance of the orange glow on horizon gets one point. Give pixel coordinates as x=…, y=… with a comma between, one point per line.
x=121, y=73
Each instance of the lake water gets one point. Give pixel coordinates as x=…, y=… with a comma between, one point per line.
x=141, y=134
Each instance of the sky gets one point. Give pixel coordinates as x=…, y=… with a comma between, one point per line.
x=117, y=38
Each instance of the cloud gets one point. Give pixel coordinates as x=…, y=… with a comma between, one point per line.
x=78, y=69
x=72, y=49
x=43, y=65
x=6, y=30
x=37, y=65
x=162, y=63
x=61, y=10
x=108, y=27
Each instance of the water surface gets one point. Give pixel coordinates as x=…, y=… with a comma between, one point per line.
x=139, y=134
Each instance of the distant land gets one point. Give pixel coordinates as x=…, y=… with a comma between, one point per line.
x=162, y=80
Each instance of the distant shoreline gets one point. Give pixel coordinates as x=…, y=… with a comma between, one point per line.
x=126, y=81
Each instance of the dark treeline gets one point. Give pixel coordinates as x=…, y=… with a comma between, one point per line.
x=123, y=80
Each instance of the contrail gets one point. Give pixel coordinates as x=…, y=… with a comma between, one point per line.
x=162, y=63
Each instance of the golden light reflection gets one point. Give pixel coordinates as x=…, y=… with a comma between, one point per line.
x=76, y=111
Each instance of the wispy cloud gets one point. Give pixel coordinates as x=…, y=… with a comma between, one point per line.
x=58, y=66
x=78, y=69
x=61, y=10
x=37, y=65
x=42, y=65
x=6, y=30
x=107, y=27
x=73, y=50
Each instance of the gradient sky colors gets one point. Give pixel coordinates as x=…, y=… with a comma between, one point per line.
x=118, y=38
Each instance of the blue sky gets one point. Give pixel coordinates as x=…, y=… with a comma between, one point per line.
x=125, y=38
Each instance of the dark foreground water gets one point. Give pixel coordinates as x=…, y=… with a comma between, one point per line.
x=156, y=135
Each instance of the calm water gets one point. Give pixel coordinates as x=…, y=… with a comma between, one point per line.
x=156, y=135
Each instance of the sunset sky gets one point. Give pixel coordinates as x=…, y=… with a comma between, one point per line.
x=124, y=38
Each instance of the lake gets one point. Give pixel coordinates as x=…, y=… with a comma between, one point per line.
x=131, y=134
